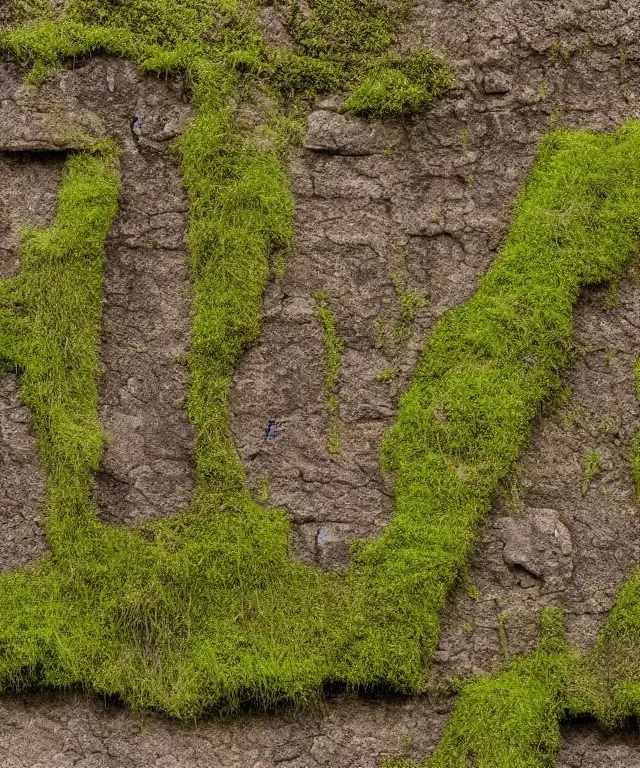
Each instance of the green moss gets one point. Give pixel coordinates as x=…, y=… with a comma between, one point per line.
x=635, y=457
x=511, y=720
x=294, y=75
x=334, y=345
x=410, y=303
x=209, y=607
x=401, y=86
x=387, y=375
x=609, y=686
x=346, y=27
x=343, y=44
x=333, y=425
x=591, y=467
x=380, y=333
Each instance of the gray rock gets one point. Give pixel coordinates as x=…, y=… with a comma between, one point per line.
x=272, y=26
x=339, y=135
x=332, y=545
x=496, y=82
x=28, y=128
x=540, y=543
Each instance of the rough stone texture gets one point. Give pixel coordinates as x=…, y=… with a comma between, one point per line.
x=22, y=482
x=586, y=747
x=147, y=469
x=272, y=26
x=74, y=732
x=428, y=199
x=30, y=123
x=539, y=543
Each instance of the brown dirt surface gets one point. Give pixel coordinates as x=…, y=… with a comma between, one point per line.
x=429, y=201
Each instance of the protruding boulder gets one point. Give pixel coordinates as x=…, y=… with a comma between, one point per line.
x=337, y=134
x=540, y=543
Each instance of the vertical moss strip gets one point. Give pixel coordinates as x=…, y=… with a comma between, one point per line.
x=635, y=459
x=334, y=347
x=60, y=304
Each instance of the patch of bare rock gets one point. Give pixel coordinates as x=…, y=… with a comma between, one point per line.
x=586, y=747
x=22, y=483
x=75, y=732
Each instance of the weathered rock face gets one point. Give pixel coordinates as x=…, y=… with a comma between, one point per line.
x=540, y=544
x=585, y=747
x=73, y=731
x=428, y=199
x=22, y=482
x=30, y=123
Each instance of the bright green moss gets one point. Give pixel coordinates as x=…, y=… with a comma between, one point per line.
x=334, y=347
x=303, y=76
x=344, y=43
x=401, y=86
x=346, y=27
x=635, y=459
x=591, y=467
x=512, y=719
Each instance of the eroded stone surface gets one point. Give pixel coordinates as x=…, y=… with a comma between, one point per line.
x=73, y=731
x=147, y=470
x=29, y=122
x=539, y=543
x=22, y=482
x=586, y=747
x=29, y=197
